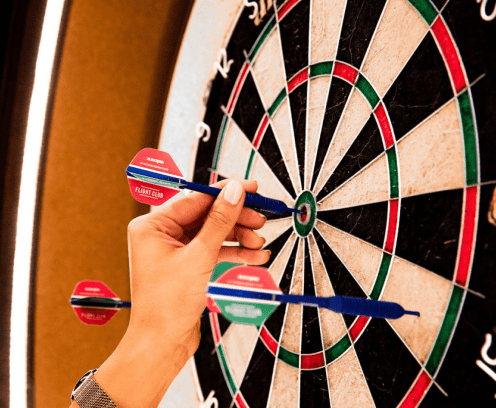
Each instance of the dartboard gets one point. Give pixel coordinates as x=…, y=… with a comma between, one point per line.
x=376, y=117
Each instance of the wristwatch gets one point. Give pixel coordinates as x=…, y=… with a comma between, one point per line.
x=88, y=393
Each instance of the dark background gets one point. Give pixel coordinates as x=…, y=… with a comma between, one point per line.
x=20, y=28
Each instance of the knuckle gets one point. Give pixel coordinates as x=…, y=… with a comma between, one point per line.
x=219, y=217
x=135, y=226
x=132, y=226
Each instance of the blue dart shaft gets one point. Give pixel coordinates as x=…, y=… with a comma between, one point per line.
x=251, y=200
x=338, y=304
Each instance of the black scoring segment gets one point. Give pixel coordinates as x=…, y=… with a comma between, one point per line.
x=429, y=230
x=476, y=41
x=270, y=152
x=421, y=88
x=223, y=324
x=208, y=366
x=338, y=95
x=341, y=279
x=359, y=23
x=314, y=391
x=249, y=109
x=388, y=366
x=366, y=147
x=277, y=245
x=311, y=338
x=367, y=222
x=298, y=104
x=256, y=382
x=276, y=319
x=294, y=29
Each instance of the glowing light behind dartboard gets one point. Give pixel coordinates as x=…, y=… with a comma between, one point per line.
x=27, y=203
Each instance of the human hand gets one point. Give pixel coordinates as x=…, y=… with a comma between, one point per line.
x=174, y=250
x=172, y=254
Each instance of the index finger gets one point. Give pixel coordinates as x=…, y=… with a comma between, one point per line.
x=194, y=206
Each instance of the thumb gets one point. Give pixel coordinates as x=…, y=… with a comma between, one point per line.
x=222, y=216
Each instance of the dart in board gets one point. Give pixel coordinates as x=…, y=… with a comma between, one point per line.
x=241, y=293
x=154, y=178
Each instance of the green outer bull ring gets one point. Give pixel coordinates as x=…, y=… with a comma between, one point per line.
x=303, y=223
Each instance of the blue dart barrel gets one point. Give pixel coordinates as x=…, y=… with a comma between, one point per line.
x=265, y=203
x=251, y=200
x=367, y=307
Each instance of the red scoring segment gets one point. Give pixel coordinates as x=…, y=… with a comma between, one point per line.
x=304, y=215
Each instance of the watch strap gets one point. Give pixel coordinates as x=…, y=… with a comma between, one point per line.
x=89, y=394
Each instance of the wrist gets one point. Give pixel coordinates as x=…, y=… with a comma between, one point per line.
x=141, y=368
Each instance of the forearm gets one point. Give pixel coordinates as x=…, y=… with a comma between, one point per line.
x=141, y=369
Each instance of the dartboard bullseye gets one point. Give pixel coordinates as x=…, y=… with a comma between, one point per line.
x=303, y=223
x=375, y=119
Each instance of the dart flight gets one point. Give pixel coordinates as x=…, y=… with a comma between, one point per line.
x=154, y=178
x=95, y=303
x=241, y=293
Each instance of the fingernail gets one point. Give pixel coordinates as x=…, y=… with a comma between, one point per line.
x=260, y=236
x=233, y=191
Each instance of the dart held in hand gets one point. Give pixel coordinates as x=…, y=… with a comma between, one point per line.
x=154, y=178
x=241, y=293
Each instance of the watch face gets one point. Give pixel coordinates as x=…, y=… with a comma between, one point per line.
x=378, y=118
x=81, y=381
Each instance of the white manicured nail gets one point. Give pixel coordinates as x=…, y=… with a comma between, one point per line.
x=233, y=191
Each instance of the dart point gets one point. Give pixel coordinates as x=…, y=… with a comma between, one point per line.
x=410, y=312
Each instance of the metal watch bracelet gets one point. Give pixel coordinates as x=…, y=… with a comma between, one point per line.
x=88, y=393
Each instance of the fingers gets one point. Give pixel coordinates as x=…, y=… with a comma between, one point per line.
x=247, y=237
x=248, y=218
x=243, y=255
x=187, y=211
x=251, y=219
x=222, y=217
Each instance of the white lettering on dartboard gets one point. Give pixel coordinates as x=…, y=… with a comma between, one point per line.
x=488, y=361
x=483, y=11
